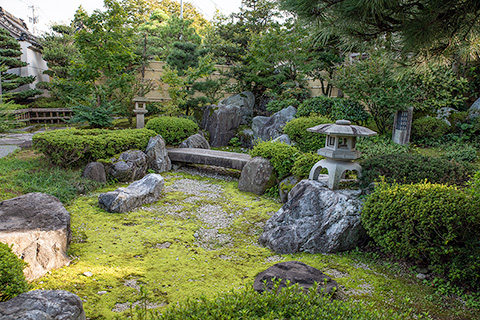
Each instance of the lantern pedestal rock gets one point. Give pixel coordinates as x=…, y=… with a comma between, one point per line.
x=140, y=110
x=339, y=150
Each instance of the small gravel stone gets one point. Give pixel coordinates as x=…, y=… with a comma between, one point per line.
x=102, y=292
x=88, y=274
x=421, y=276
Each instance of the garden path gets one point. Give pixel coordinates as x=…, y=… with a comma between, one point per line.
x=9, y=142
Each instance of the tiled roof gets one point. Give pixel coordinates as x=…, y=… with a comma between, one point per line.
x=17, y=27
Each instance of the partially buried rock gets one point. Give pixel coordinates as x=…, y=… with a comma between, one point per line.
x=144, y=191
x=195, y=141
x=316, y=219
x=257, y=176
x=294, y=272
x=95, y=171
x=38, y=226
x=43, y=305
x=157, y=155
x=130, y=166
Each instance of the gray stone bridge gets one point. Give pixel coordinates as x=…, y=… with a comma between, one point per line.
x=209, y=157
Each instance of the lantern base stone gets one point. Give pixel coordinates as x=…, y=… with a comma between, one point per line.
x=335, y=169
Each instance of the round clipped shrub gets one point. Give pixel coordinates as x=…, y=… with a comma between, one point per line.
x=281, y=156
x=321, y=105
x=414, y=168
x=304, y=163
x=173, y=130
x=12, y=279
x=306, y=141
x=429, y=128
x=349, y=110
x=434, y=222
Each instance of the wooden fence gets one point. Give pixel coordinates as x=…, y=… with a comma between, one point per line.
x=43, y=115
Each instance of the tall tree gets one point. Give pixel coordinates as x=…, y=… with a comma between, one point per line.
x=10, y=59
x=427, y=26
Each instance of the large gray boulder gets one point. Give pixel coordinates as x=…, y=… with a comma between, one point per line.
x=257, y=176
x=266, y=128
x=130, y=166
x=474, y=110
x=38, y=227
x=95, y=171
x=195, y=141
x=157, y=155
x=43, y=305
x=245, y=101
x=221, y=122
x=144, y=191
x=316, y=219
x=294, y=272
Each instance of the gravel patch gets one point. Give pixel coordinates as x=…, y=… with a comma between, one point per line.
x=210, y=239
x=196, y=188
x=120, y=307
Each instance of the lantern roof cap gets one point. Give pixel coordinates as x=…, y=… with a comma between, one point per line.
x=342, y=128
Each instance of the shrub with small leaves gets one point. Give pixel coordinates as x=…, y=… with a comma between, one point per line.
x=281, y=156
x=349, y=110
x=428, y=128
x=12, y=279
x=174, y=130
x=306, y=141
x=460, y=152
x=379, y=145
x=304, y=163
x=277, y=105
x=321, y=105
x=72, y=147
x=435, y=222
x=414, y=168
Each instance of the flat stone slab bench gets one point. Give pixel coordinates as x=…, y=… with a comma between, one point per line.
x=225, y=159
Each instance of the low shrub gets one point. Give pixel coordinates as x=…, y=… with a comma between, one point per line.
x=12, y=279
x=414, y=168
x=277, y=105
x=428, y=128
x=47, y=102
x=379, y=145
x=174, y=130
x=349, y=110
x=321, y=105
x=460, y=152
x=72, y=147
x=281, y=303
x=434, y=222
x=306, y=141
x=304, y=163
x=281, y=156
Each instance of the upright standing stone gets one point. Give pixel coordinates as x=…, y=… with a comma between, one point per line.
x=402, y=126
x=95, y=171
x=257, y=176
x=157, y=155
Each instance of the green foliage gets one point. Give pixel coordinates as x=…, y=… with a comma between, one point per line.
x=12, y=279
x=428, y=128
x=348, y=109
x=47, y=102
x=434, y=222
x=321, y=105
x=306, y=141
x=281, y=156
x=173, y=130
x=379, y=145
x=460, y=152
x=281, y=303
x=277, y=105
x=10, y=52
x=304, y=163
x=7, y=119
x=72, y=147
x=414, y=168
x=96, y=116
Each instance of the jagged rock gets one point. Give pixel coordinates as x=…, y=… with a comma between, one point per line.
x=285, y=186
x=474, y=110
x=283, y=139
x=130, y=166
x=146, y=190
x=38, y=226
x=195, y=141
x=157, y=155
x=246, y=138
x=43, y=305
x=266, y=128
x=257, y=176
x=294, y=272
x=221, y=122
x=95, y=171
x=444, y=113
x=245, y=101
x=316, y=219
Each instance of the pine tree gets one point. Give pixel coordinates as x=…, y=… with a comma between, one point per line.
x=10, y=58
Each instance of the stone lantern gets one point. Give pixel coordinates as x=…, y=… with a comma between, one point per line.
x=339, y=150
x=140, y=110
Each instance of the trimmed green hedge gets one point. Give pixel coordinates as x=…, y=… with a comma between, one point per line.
x=428, y=128
x=72, y=147
x=306, y=141
x=12, y=279
x=281, y=156
x=173, y=130
x=304, y=163
x=435, y=222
